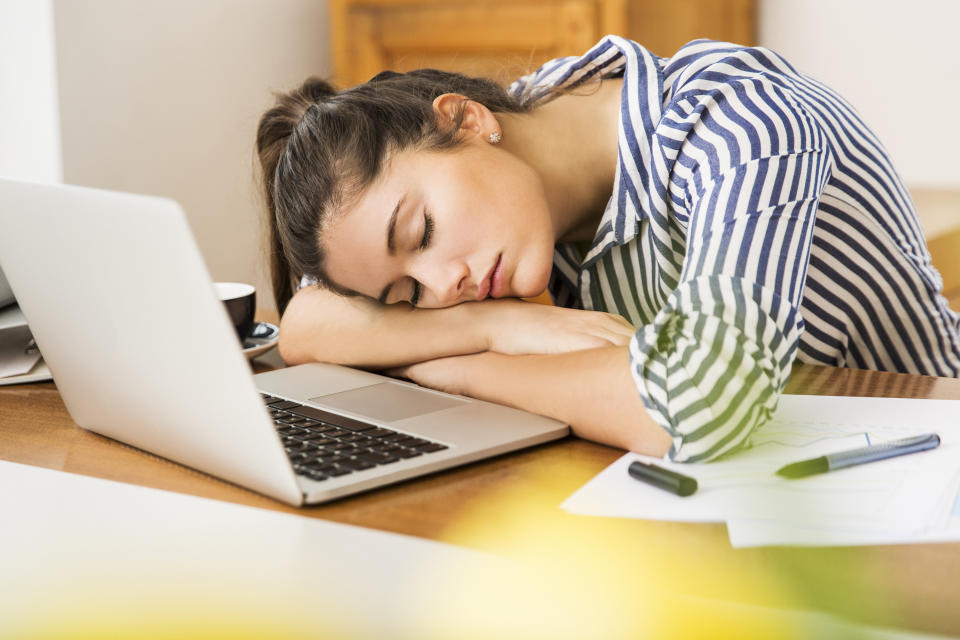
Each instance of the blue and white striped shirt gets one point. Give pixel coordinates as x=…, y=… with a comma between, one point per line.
x=755, y=220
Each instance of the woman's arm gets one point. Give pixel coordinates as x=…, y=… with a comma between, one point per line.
x=319, y=325
x=591, y=390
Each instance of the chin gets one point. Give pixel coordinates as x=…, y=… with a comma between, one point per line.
x=534, y=282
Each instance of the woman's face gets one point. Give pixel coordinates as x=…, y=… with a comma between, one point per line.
x=440, y=228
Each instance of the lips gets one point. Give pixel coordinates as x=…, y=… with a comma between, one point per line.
x=496, y=278
x=485, y=287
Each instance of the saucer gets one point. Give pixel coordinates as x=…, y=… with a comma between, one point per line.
x=263, y=338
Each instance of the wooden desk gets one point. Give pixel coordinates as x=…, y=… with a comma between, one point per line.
x=511, y=502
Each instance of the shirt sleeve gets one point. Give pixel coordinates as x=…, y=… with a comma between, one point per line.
x=751, y=164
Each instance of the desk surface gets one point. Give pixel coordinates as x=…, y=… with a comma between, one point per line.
x=507, y=500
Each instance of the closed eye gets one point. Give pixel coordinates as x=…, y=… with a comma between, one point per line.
x=424, y=243
x=427, y=231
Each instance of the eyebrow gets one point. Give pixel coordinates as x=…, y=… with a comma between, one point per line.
x=391, y=244
x=392, y=227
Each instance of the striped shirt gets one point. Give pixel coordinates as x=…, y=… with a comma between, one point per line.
x=755, y=220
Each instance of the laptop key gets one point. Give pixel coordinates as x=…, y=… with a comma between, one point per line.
x=356, y=464
x=321, y=428
x=376, y=457
x=336, y=433
x=286, y=404
x=406, y=453
x=294, y=447
x=330, y=458
x=331, y=418
x=411, y=442
x=335, y=471
x=378, y=432
x=385, y=447
x=430, y=447
x=311, y=435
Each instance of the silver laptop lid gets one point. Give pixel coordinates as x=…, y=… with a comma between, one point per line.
x=123, y=309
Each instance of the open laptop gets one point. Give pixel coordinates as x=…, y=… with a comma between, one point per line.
x=124, y=311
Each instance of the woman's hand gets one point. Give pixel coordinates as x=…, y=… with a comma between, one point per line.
x=516, y=327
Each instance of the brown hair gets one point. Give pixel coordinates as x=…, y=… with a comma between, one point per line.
x=320, y=148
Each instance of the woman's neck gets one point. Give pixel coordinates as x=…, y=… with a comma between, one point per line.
x=572, y=143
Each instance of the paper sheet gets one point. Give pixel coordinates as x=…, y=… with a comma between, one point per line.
x=897, y=499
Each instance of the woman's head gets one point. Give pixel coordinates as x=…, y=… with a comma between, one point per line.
x=337, y=164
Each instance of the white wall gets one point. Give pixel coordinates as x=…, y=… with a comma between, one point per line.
x=164, y=98
x=898, y=62
x=29, y=117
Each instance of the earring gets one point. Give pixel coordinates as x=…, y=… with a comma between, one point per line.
x=494, y=137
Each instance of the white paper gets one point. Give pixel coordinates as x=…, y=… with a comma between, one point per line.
x=899, y=498
x=760, y=533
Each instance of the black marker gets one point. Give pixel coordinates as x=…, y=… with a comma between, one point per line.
x=663, y=478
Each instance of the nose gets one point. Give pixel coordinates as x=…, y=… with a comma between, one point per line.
x=446, y=281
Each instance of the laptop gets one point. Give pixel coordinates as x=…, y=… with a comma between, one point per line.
x=141, y=349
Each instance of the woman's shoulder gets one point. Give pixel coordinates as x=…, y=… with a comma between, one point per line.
x=715, y=61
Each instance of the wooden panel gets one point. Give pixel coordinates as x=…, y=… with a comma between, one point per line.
x=663, y=27
x=367, y=54
x=497, y=40
x=506, y=38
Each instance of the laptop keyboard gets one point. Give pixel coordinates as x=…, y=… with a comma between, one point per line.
x=324, y=445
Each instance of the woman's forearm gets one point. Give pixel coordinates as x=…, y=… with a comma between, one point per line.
x=320, y=325
x=591, y=390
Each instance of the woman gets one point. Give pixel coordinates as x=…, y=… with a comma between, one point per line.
x=754, y=221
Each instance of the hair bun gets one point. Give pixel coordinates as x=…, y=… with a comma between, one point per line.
x=317, y=89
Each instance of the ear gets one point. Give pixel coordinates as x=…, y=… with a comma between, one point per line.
x=477, y=119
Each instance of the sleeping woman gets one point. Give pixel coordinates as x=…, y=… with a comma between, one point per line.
x=700, y=222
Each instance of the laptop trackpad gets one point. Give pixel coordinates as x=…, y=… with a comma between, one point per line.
x=388, y=401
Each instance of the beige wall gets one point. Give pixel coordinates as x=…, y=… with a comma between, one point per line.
x=895, y=60
x=164, y=97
